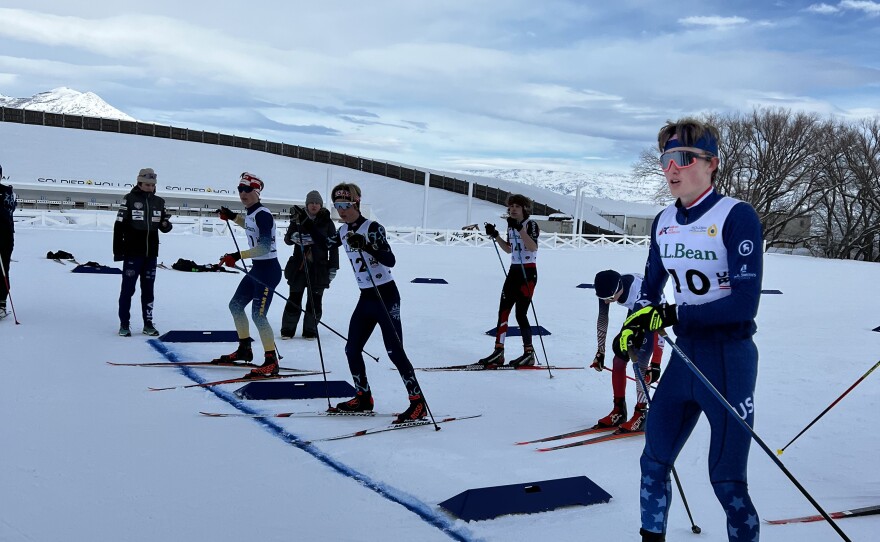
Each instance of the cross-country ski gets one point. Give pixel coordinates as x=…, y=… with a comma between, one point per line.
x=233, y=381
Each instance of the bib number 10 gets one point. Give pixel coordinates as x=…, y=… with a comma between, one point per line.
x=697, y=283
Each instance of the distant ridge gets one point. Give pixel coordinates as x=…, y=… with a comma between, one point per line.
x=67, y=101
x=610, y=185
x=603, y=185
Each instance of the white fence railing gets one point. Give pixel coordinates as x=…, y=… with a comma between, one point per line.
x=194, y=225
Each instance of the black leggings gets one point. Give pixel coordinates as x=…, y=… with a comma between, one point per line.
x=369, y=312
x=519, y=286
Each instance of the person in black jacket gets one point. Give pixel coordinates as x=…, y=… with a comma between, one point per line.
x=7, y=238
x=310, y=253
x=136, y=243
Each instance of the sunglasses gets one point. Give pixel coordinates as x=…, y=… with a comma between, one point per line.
x=343, y=205
x=682, y=159
x=246, y=188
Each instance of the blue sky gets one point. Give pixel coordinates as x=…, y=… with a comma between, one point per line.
x=455, y=84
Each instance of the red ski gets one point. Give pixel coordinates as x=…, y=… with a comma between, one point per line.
x=478, y=367
x=579, y=433
x=594, y=440
x=853, y=513
x=234, y=381
x=203, y=364
x=316, y=414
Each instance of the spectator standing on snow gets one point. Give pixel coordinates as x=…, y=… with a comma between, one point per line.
x=7, y=238
x=312, y=266
x=136, y=243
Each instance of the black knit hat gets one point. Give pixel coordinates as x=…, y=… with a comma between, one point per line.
x=606, y=283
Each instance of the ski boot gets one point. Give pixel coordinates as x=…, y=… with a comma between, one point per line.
x=637, y=422
x=417, y=410
x=362, y=402
x=268, y=368
x=495, y=359
x=527, y=359
x=243, y=354
x=616, y=416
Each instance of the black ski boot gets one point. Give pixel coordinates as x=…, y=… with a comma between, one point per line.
x=495, y=359
x=417, y=410
x=243, y=354
x=527, y=359
x=362, y=402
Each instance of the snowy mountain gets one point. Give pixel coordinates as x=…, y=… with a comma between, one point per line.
x=610, y=185
x=69, y=101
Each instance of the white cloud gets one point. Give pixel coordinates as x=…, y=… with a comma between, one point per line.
x=871, y=8
x=823, y=9
x=714, y=20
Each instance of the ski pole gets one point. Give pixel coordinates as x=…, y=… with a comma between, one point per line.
x=299, y=224
x=396, y=336
x=503, y=270
x=274, y=291
x=702, y=378
x=816, y=419
x=641, y=379
x=8, y=292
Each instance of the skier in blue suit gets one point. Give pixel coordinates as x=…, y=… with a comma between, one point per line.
x=710, y=245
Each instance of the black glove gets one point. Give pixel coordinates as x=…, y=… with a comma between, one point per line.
x=650, y=318
x=491, y=231
x=356, y=241
x=226, y=213
x=299, y=214
x=118, y=257
x=288, y=237
x=513, y=223
x=652, y=374
x=598, y=361
x=165, y=226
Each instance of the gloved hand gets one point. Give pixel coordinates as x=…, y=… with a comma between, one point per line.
x=333, y=274
x=491, y=231
x=226, y=213
x=295, y=238
x=621, y=347
x=356, y=241
x=288, y=237
x=650, y=318
x=514, y=223
x=165, y=226
x=652, y=374
x=118, y=257
x=598, y=361
x=299, y=214
x=229, y=259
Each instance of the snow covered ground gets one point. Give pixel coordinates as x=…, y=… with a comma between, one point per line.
x=87, y=453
